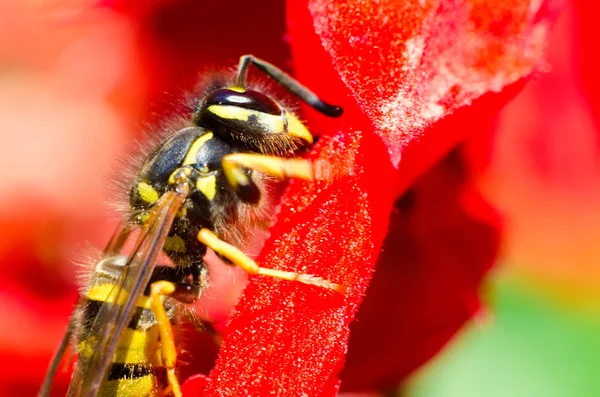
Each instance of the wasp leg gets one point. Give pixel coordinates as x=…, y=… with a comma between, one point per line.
x=278, y=167
x=287, y=82
x=158, y=290
x=240, y=259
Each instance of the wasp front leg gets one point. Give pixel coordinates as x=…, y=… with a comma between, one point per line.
x=234, y=166
x=238, y=258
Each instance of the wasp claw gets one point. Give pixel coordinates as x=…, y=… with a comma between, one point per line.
x=320, y=282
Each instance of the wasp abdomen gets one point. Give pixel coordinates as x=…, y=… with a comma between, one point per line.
x=136, y=368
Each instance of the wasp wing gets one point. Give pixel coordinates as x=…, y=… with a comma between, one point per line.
x=114, y=246
x=117, y=240
x=112, y=318
x=57, y=358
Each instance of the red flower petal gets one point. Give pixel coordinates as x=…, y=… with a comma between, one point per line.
x=195, y=385
x=427, y=277
x=291, y=337
x=407, y=64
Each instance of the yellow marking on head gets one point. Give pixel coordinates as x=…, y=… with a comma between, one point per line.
x=190, y=157
x=208, y=186
x=277, y=126
x=147, y=193
x=231, y=112
x=174, y=244
x=271, y=122
x=297, y=128
x=237, y=89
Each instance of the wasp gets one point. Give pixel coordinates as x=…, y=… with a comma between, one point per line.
x=201, y=186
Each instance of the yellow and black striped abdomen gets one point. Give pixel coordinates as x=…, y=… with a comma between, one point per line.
x=137, y=369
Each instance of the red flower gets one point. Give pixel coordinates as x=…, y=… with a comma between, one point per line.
x=398, y=68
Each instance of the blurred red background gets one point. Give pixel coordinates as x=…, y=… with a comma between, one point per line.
x=79, y=80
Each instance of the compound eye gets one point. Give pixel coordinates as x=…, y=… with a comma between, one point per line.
x=249, y=99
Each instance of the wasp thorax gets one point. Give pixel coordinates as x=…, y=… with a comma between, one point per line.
x=194, y=153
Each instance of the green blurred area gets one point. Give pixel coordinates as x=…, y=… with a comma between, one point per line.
x=531, y=346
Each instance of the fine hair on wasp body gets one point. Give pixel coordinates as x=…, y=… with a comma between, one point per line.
x=200, y=186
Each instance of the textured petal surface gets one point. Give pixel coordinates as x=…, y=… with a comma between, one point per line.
x=408, y=64
x=287, y=338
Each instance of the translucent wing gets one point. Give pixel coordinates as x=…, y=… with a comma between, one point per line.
x=112, y=319
x=114, y=246
x=56, y=359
